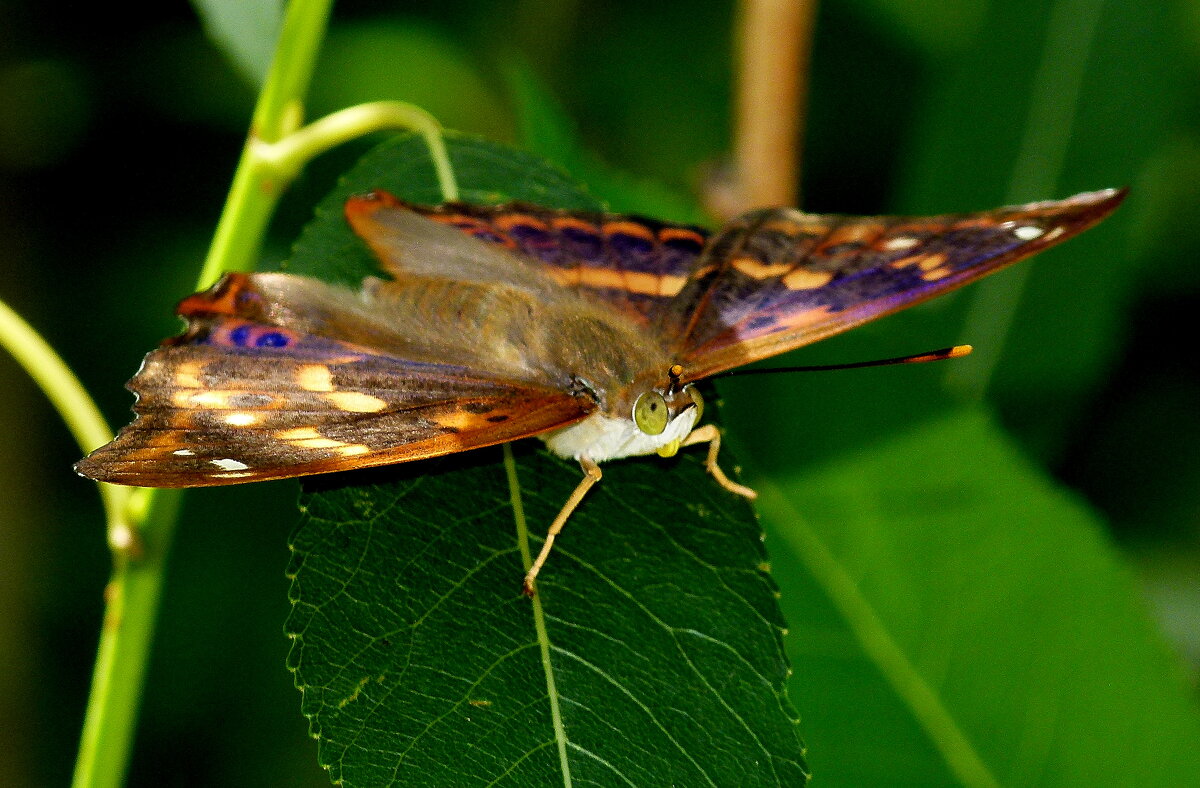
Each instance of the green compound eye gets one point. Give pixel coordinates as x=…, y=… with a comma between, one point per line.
x=698, y=401
x=650, y=413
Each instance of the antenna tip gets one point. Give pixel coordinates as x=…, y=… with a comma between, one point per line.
x=957, y=351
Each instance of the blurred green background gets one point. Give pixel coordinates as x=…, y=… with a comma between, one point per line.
x=119, y=131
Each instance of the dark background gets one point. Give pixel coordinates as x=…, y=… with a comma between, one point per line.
x=119, y=131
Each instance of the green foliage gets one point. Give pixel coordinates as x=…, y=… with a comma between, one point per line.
x=371, y=61
x=955, y=607
x=1059, y=75
x=246, y=30
x=652, y=653
x=546, y=130
x=971, y=615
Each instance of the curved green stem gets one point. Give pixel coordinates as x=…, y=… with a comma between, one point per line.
x=74, y=406
x=276, y=150
x=133, y=594
x=268, y=167
x=270, y=164
x=289, y=155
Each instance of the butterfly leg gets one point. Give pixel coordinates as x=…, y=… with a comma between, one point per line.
x=591, y=475
x=712, y=436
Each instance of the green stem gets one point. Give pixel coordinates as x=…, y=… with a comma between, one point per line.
x=276, y=150
x=134, y=592
x=539, y=615
x=288, y=156
x=267, y=168
x=131, y=604
x=257, y=185
x=70, y=399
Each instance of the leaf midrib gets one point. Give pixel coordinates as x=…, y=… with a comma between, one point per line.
x=539, y=618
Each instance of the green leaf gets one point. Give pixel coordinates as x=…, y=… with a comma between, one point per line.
x=547, y=130
x=652, y=654
x=959, y=620
x=245, y=30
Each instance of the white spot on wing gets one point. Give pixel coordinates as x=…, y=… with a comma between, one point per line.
x=205, y=399
x=1028, y=232
x=228, y=464
x=900, y=242
x=187, y=375
x=183, y=452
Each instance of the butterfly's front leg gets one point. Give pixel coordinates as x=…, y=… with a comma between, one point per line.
x=591, y=475
x=712, y=436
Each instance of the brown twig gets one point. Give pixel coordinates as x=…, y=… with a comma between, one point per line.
x=773, y=50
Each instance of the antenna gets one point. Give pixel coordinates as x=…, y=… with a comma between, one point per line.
x=956, y=351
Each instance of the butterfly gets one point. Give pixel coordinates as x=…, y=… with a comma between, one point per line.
x=494, y=323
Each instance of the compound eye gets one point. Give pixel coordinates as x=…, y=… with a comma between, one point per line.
x=697, y=400
x=650, y=413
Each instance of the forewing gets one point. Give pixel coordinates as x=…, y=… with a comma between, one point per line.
x=778, y=279
x=634, y=265
x=234, y=400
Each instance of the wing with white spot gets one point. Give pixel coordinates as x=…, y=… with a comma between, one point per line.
x=236, y=400
x=777, y=279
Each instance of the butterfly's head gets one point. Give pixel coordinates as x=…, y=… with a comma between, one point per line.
x=670, y=412
x=648, y=416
